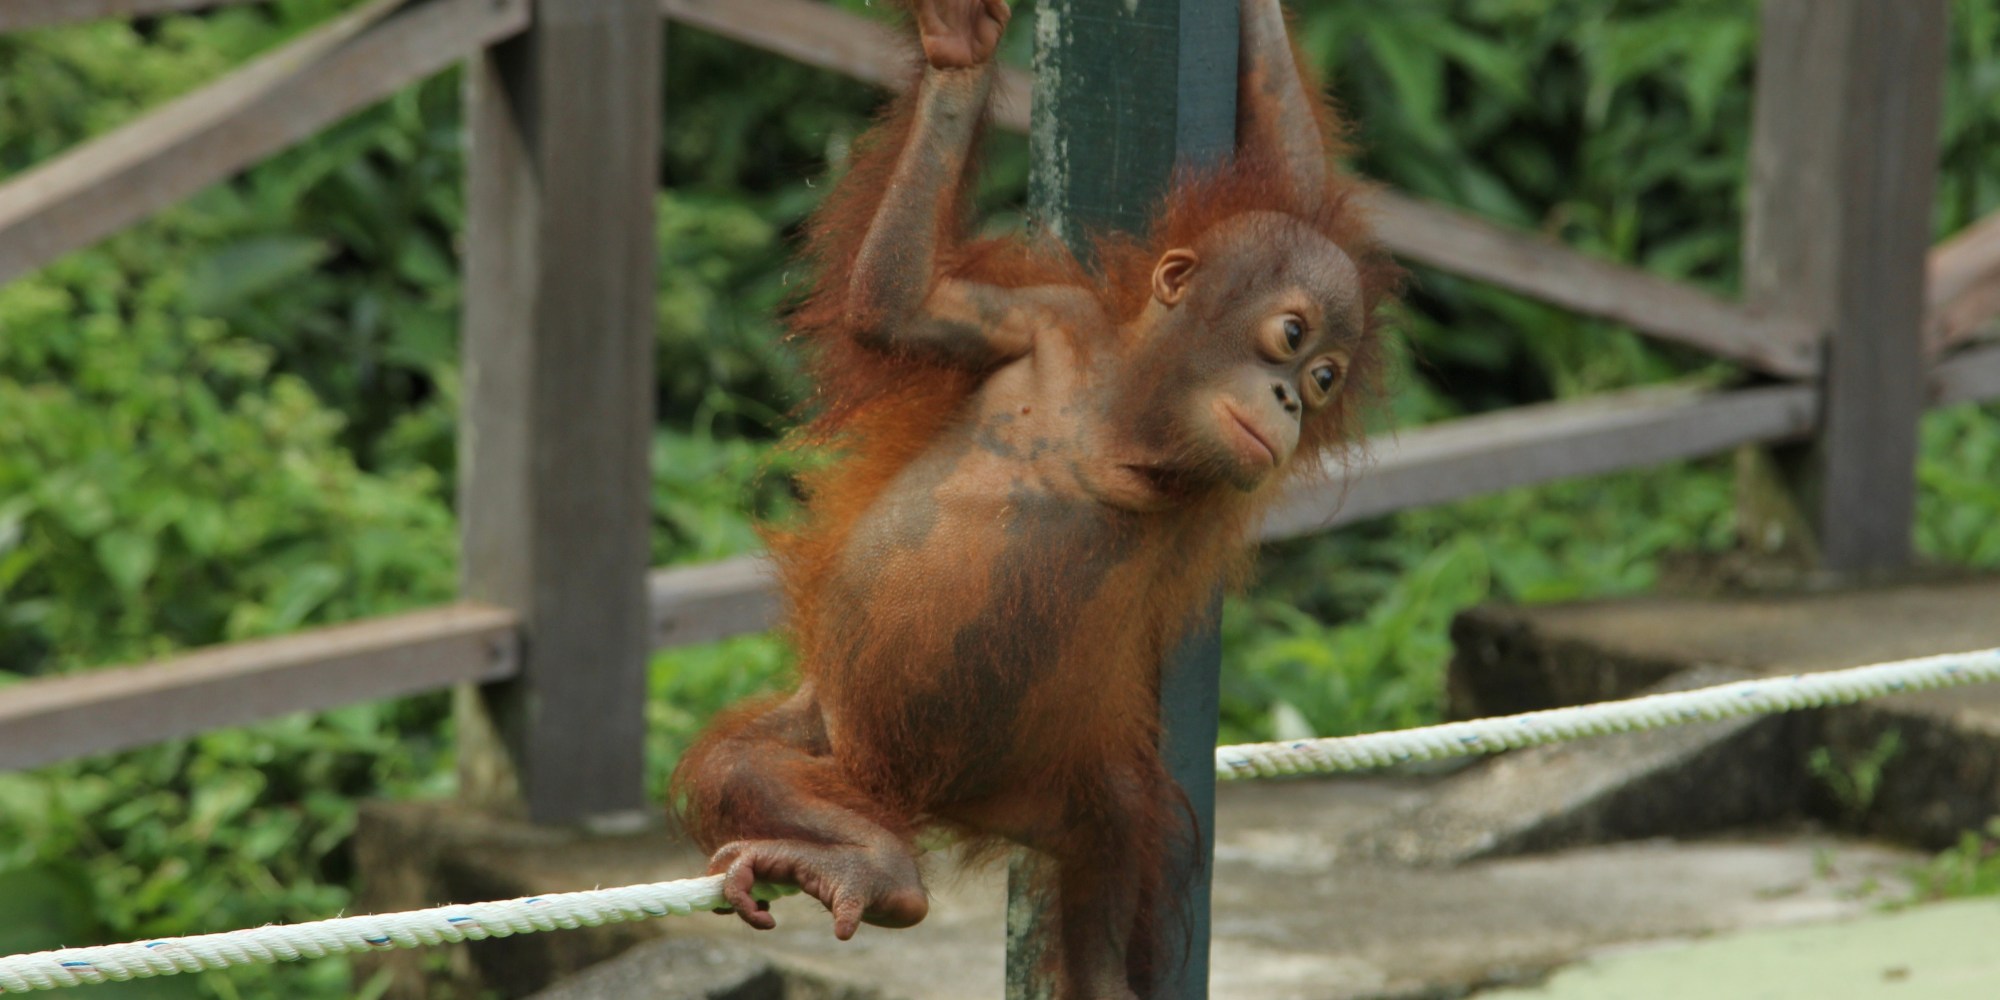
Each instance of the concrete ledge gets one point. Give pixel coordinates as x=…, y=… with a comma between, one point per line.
x=1945, y=778
x=1685, y=781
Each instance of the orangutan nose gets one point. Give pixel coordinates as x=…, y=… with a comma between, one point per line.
x=1285, y=397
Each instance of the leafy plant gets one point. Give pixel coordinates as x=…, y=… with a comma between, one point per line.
x=1969, y=868
x=1854, y=779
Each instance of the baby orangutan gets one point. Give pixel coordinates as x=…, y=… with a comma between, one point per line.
x=1043, y=475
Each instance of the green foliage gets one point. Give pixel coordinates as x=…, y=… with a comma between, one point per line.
x=1291, y=676
x=688, y=686
x=1854, y=779
x=161, y=487
x=1969, y=868
x=1958, y=474
x=1346, y=632
x=188, y=455
x=236, y=828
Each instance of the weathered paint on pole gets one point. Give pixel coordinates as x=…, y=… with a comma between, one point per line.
x=1125, y=92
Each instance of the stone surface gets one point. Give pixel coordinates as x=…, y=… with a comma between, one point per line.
x=1517, y=659
x=1939, y=952
x=1944, y=778
x=1687, y=780
x=675, y=969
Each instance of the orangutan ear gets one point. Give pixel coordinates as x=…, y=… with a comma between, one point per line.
x=1172, y=275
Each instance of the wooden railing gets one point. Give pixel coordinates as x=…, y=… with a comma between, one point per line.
x=558, y=326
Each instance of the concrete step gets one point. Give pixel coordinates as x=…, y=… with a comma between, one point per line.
x=1944, y=776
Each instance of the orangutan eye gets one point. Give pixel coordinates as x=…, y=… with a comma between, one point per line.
x=1295, y=332
x=1326, y=377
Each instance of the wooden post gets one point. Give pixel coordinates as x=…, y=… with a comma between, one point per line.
x=1843, y=165
x=559, y=328
x=1125, y=90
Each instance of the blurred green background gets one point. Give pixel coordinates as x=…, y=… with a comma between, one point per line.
x=237, y=419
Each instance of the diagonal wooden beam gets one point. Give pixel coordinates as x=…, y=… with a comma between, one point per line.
x=1964, y=283
x=120, y=708
x=121, y=177
x=1971, y=376
x=1464, y=244
x=18, y=14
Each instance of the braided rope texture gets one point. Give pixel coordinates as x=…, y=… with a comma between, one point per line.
x=1508, y=732
x=289, y=942
x=591, y=908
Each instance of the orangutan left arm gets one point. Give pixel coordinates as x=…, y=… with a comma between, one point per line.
x=1277, y=115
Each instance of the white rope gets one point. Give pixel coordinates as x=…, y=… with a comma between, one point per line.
x=476, y=921
x=288, y=942
x=1726, y=701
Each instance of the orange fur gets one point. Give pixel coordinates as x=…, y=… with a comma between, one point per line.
x=876, y=413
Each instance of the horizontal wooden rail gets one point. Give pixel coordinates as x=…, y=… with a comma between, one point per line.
x=1970, y=376
x=44, y=721
x=18, y=14
x=820, y=35
x=697, y=604
x=1965, y=283
x=1535, y=444
x=281, y=98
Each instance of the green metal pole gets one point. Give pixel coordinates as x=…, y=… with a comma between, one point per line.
x=1125, y=91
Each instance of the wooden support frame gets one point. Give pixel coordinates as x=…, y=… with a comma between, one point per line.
x=559, y=325
x=1843, y=167
x=124, y=707
x=133, y=171
x=16, y=15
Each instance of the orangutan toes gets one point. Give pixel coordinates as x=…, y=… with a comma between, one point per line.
x=856, y=884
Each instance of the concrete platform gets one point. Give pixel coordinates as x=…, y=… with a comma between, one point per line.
x=1390, y=887
x=1945, y=778
x=1296, y=918
x=1939, y=952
